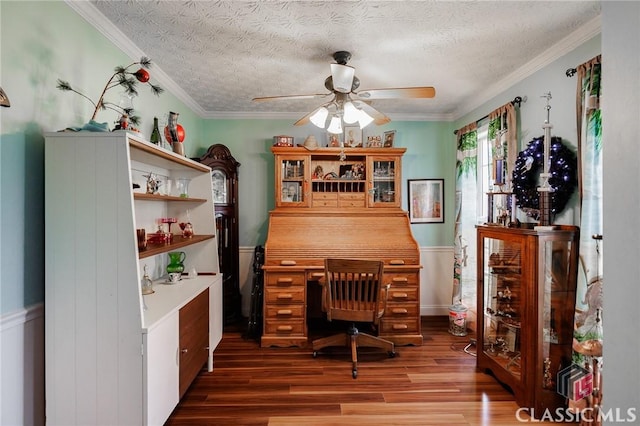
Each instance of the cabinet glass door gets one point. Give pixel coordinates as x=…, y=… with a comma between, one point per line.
x=291, y=185
x=385, y=175
x=503, y=303
x=556, y=327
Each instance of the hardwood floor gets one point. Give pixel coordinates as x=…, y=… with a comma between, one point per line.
x=433, y=384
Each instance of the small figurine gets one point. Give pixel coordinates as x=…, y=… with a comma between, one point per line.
x=153, y=184
x=187, y=229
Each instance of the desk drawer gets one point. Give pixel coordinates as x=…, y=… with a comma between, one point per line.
x=284, y=279
x=401, y=279
x=351, y=200
x=401, y=311
x=399, y=326
x=283, y=327
x=289, y=295
x=284, y=311
x=402, y=294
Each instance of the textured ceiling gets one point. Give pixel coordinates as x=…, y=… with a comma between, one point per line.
x=221, y=54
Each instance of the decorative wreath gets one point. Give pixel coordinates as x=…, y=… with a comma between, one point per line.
x=529, y=164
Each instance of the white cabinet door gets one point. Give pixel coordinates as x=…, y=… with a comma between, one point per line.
x=161, y=370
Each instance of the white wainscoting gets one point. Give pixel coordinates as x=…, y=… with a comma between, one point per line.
x=22, y=367
x=436, y=279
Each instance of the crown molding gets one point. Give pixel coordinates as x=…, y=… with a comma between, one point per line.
x=583, y=34
x=100, y=22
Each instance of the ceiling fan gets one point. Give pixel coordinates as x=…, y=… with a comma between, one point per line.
x=348, y=104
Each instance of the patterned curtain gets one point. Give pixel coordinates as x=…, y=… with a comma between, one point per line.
x=503, y=134
x=465, y=216
x=589, y=122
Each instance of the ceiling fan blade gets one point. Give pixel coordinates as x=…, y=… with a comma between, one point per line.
x=290, y=97
x=398, y=93
x=378, y=117
x=304, y=120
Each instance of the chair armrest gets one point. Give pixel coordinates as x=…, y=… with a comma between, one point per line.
x=386, y=288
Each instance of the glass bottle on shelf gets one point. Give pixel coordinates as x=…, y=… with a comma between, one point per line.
x=147, y=283
x=155, y=134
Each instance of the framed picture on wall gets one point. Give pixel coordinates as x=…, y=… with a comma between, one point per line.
x=426, y=200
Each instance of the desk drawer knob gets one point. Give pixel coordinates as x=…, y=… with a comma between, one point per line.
x=285, y=280
x=396, y=262
x=285, y=296
x=399, y=311
x=285, y=328
x=399, y=295
x=400, y=326
x=399, y=279
x=285, y=312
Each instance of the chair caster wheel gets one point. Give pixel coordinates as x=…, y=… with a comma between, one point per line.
x=392, y=354
x=315, y=354
x=354, y=374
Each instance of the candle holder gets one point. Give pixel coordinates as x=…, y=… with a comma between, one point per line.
x=169, y=221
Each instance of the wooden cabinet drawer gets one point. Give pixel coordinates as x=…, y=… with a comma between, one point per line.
x=318, y=196
x=283, y=279
x=324, y=203
x=401, y=311
x=285, y=296
x=351, y=200
x=402, y=294
x=284, y=311
x=324, y=199
x=399, y=326
x=401, y=279
x=284, y=327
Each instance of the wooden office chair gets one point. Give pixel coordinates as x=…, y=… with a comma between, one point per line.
x=353, y=291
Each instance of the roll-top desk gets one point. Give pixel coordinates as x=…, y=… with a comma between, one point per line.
x=350, y=208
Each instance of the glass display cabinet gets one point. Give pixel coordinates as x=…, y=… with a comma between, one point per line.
x=291, y=186
x=526, y=300
x=385, y=190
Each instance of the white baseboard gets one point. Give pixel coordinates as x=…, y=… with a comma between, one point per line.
x=22, y=367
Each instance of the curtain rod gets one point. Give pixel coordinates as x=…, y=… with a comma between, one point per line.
x=517, y=100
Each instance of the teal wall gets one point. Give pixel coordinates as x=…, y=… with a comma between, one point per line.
x=46, y=40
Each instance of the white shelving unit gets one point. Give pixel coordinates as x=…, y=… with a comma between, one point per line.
x=112, y=355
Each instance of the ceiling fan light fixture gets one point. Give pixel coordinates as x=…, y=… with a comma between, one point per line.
x=342, y=76
x=351, y=113
x=319, y=118
x=335, y=126
x=364, y=119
